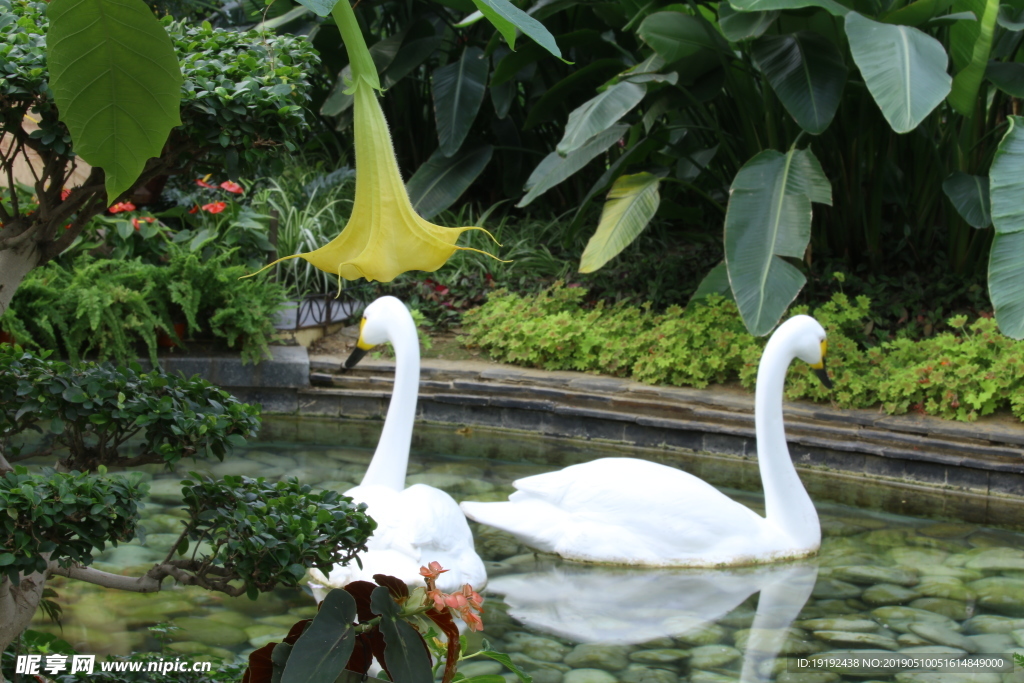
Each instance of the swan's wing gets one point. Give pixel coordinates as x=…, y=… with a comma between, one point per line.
x=416, y=526
x=620, y=510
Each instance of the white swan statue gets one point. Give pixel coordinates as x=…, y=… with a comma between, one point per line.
x=415, y=525
x=636, y=512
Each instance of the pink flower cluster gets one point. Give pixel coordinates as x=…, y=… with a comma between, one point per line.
x=462, y=602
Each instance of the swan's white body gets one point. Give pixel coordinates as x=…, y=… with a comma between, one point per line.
x=415, y=525
x=629, y=511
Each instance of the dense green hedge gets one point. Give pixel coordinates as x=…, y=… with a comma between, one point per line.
x=109, y=307
x=958, y=376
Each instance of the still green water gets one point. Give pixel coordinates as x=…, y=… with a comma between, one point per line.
x=889, y=584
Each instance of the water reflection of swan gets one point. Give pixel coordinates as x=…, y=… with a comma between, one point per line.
x=628, y=605
x=415, y=525
x=630, y=511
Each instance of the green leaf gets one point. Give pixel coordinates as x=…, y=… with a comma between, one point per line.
x=632, y=203
x=586, y=79
x=1007, y=76
x=441, y=180
x=116, y=83
x=505, y=660
x=769, y=217
x=57, y=426
x=458, y=93
x=964, y=93
x=830, y=6
x=1011, y=18
x=555, y=168
x=320, y=7
x=737, y=26
x=74, y=394
x=917, y=13
x=674, y=35
x=598, y=114
x=715, y=282
x=322, y=651
x=969, y=194
x=807, y=72
x=904, y=69
x=6, y=559
x=405, y=651
x=1005, y=271
x=504, y=15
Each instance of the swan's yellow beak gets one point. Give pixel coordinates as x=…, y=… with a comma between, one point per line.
x=819, y=368
x=361, y=348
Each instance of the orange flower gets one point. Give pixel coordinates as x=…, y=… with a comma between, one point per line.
x=215, y=207
x=201, y=182
x=234, y=188
x=194, y=209
x=438, y=598
x=473, y=621
x=432, y=571
x=474, y=599
x=122, y=206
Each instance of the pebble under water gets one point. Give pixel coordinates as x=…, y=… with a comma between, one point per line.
x=888, y=584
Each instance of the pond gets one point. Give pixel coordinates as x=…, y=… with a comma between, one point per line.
x=886, y=583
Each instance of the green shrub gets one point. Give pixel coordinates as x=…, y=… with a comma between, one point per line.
x=95, y=409
x=108, y=307
x=960, y=376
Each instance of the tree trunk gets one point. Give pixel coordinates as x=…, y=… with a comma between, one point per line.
x=17, y=607
x=14, y=265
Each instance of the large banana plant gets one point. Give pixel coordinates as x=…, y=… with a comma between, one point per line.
x=761, y=109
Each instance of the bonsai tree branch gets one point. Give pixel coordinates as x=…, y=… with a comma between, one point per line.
x=151, y=582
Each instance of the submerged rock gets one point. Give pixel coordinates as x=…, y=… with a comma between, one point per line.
x=946, y=677
x=900, y=618
x=1000, y=594
x=857, y=639
x=992, y=623
x=659, y=656
x=637, y=673
x=826, y=589
x=839, y=624
x=943, y=636
x=712, y=656
x=598, y=656
x=867, y=574
x=588, y=676
x=706, y=635
x=888, y=594
x=953, y=609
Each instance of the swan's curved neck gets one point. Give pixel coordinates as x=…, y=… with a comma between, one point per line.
x=787, y=504
x=391, y=459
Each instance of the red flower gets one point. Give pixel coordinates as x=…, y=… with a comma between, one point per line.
x=66, y=227
x=137, y=222
x=201, y=182
x=234, y=188
x=64, y=194
x=122, y=206
x=215, y=207
x=194, y=209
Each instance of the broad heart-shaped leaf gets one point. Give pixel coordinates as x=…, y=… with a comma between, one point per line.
x=769, y=217
x=458, y=93
x=904, y=69
x=1007, y=76
x=506, y=17
x=632, y=203
x=969, y=194
x=554, y=168
x=737, y=26
x=1006, y=264
x=405, y=652
x=807, y=72
x=964, y=93
x=674, y=35
x=1011, y=18
x=441, y=180
x=322, y=651
x=116, y=81
x=830, y=6
x=599, y=114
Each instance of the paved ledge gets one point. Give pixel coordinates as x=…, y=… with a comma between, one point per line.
x=916, y=464
x=274, y=382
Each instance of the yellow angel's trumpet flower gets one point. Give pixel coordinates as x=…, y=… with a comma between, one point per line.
x=384, y=236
